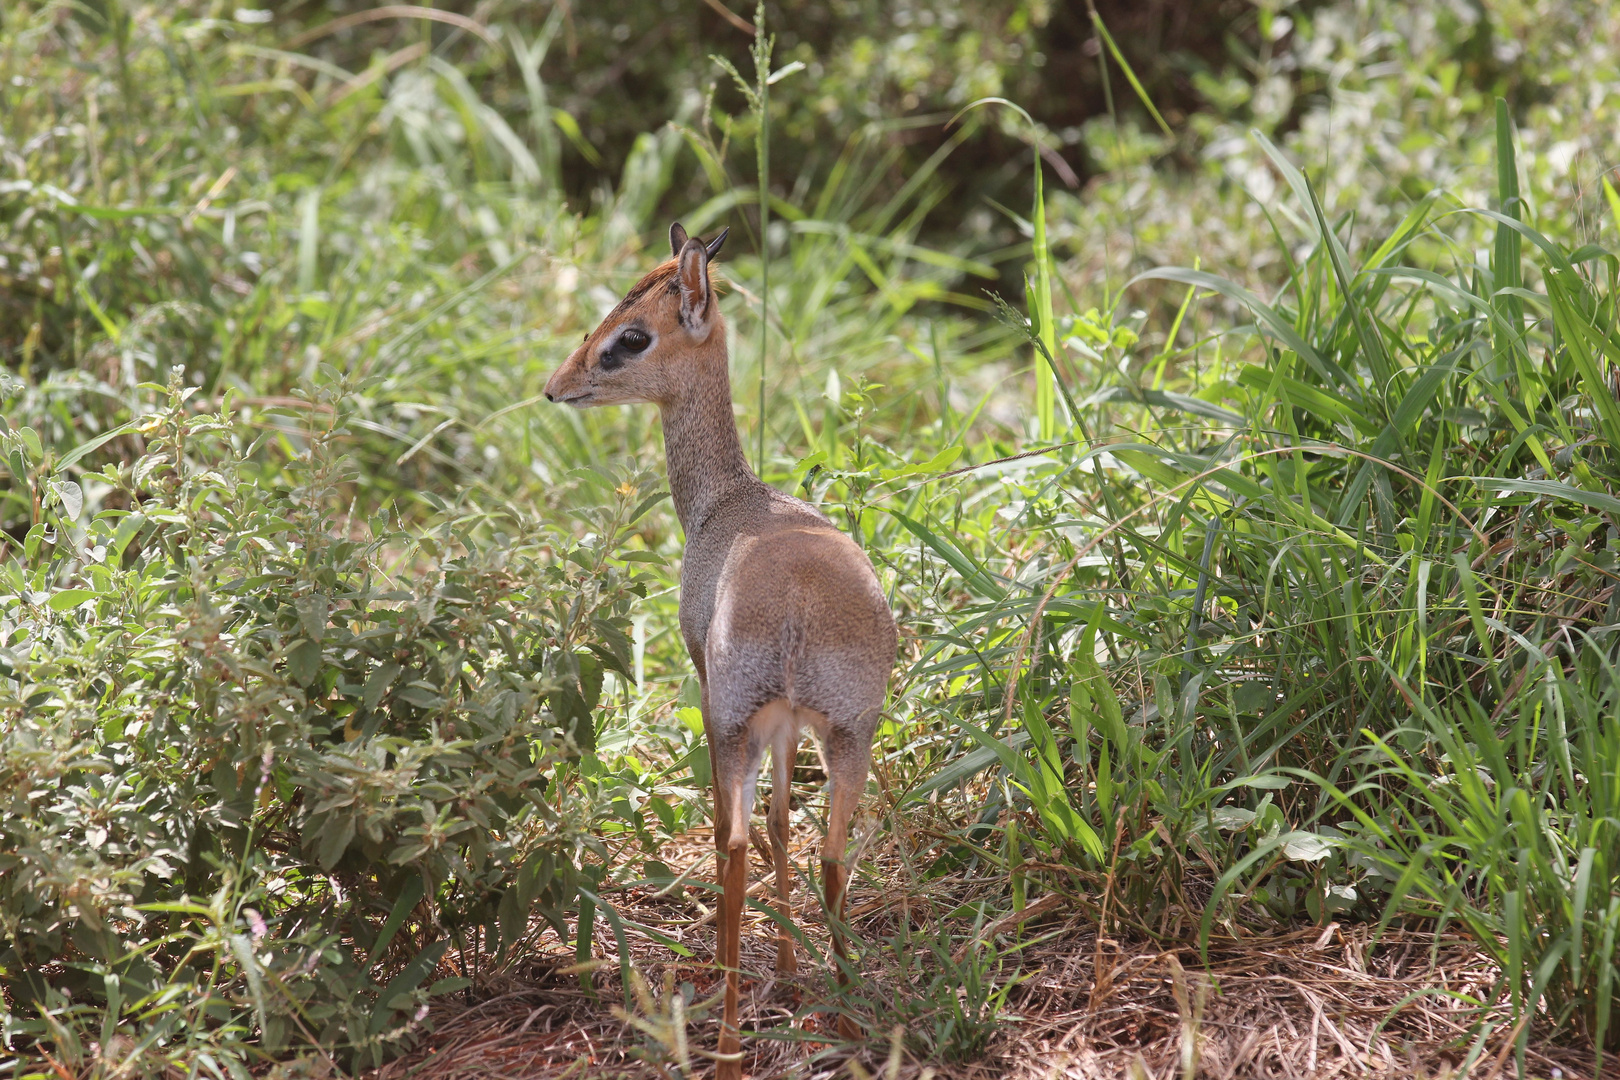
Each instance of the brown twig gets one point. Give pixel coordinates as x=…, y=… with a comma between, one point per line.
x=732, y=17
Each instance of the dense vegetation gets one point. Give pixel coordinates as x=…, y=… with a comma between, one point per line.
x=1250, y=511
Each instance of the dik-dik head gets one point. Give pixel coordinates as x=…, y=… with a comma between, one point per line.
x=642, y=351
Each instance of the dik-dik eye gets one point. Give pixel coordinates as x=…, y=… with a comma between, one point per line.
x=634, y=341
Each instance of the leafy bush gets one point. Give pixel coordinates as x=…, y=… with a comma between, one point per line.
x=264, y=765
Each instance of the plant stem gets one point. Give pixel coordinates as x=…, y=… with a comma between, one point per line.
x=762, y=150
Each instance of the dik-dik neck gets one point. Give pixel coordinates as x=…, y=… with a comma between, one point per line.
x=701, y=448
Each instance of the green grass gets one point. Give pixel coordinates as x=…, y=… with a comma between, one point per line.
x=1236, y=596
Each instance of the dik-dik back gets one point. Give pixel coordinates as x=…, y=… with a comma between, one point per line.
x=781, y=612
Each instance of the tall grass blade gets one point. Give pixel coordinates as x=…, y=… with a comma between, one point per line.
x=1041, y=308
x=1505, y=254
x=1125, y=66
x=309, y=239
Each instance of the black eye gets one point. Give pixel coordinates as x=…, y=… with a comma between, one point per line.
x=629, y=343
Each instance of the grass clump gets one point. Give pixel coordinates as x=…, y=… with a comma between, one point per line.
x=1328, y=638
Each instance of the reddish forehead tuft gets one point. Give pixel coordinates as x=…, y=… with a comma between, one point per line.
x=662, y=277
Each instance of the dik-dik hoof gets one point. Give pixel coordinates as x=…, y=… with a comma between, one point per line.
x=849, y=1029
x=787, y=959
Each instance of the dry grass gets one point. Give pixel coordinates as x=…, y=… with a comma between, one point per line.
x=1314, y=1002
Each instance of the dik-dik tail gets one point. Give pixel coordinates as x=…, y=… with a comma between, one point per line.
x=792, y=646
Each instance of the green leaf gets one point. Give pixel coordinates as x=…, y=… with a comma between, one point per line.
x=1318, y=399
x=1505, y=256
x=1130, y=74
x=448, y=986
x=1577, y=314
x=1166, y=399
x=645, y=505
x=33, y=539
x=72, y=456
x=965, y=767
x=938, y=463
x=334, y=840
x=127, y=530
x=378, y=684
x=423, y=697
x=303, y=661
x=410, y=894
x=1253, y=696
x=72, y=497
x=70, y=598
x=309, y=233
x=242, y=947
x=1232, y=818
x=1306, y=847
x=972, y=575
x=614, y=647
x=572, y=704
x=1261, y=781
x=312, y=614
x=1553, y=488
x=617, y=924
x=1280, y=327
x=409, y=978
x=570, y=127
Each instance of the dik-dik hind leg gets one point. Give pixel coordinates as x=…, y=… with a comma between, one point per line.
x=847, y=765
x=783, y=750
x=731, y=844
x=731, y=865
x=722, y=830
x=736, y=755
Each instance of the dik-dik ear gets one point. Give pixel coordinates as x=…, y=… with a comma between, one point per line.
x=677, y=240
x=697, y=296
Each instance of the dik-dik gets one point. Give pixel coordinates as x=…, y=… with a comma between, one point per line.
x=784, y=619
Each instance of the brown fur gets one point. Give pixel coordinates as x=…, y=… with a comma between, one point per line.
x=782, y=614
